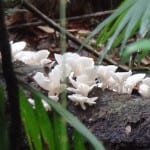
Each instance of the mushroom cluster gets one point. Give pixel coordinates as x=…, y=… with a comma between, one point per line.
x=82, y=74
x=28, y=57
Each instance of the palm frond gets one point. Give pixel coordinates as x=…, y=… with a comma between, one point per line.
x=141, y=46
x=145, y=22
x=130, y=18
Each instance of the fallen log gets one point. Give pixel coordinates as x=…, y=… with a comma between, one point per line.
x=120, y=121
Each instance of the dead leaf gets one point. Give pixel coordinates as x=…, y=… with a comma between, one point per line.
x=83, y=32
x=14, y=18
x=146, y=61
x=46, y=29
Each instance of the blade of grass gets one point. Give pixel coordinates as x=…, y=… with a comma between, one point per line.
x=123, y=7
x=102, y=37
x=133, y=32
x=140, y=45
x=59, y=122
x=60, y=130
x=105, y=34
x=145, y=22
x=78, y=141
x=60, y=127
x=121, y=36
x=30, y=122
x=135, y=18
x=69, y=118
x=44, y=123
x=121, y=26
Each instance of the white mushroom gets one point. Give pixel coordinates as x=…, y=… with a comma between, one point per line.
x=17, y=47
x=52, y=84
x=42, y=80
x=144, y=87
x=30, y=57
x=81, y=100
x=79, y=88
x=117, y=81
x=77, y=63
x=88, y=76
x=131, y=82
x=104, y=73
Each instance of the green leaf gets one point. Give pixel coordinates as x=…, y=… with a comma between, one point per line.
x=121, y=25
x=123, y=7
x=78, y=141
x=102, y=37
x=138, y=46
x=109, y=29
x=69, y=118
x=60, y=127
x=145, y=22
x=30, y=122
x=135, y=17
x=128, y=23
x=60, y=130
x=44, y=123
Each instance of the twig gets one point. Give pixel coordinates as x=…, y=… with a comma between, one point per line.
x=51, y=23
x=24, y=25
x=91, y=15
x=54, y=25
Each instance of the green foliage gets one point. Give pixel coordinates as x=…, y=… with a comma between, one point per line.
x=141, y=47
x=78, y=141
x=60, y=127
x=73, y=121
x=37, y=124
x=44, y=123
x=29, y=119
x=130, y=18
x=60, y=132
x=53, y=131
x=43, y=130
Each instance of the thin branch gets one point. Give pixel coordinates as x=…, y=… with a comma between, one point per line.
x=32, y=24
x=24, y=25
x=87, y=16
x=54, y=25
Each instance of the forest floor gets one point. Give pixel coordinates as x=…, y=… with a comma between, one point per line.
x=121, y=121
